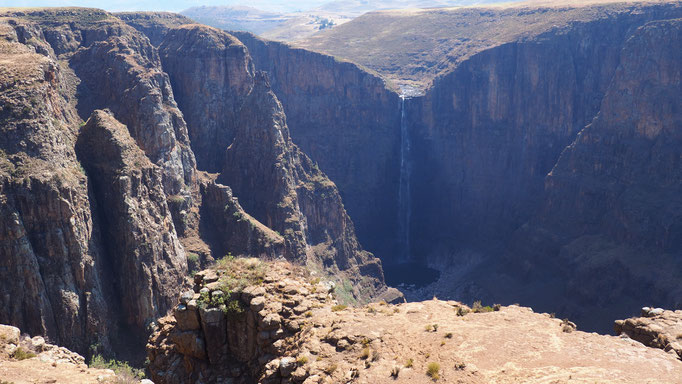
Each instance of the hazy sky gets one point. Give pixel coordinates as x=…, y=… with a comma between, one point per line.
x=166, y=5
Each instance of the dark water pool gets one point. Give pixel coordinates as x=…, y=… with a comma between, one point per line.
x=410, y=274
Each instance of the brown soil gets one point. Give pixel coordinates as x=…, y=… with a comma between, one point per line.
x=35, y=371
x=513, y=345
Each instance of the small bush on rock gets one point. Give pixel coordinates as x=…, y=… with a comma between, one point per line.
x=22, y=354
x=433, y=371
x=124, y=372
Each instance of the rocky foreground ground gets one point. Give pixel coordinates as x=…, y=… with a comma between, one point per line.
x=31, y=360
x=285, y=326
x=248, y=321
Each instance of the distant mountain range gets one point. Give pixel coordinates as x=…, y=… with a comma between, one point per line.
x=302, y=24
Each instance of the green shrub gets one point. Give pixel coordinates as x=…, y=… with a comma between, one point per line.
x=124, y=372
x=478, y=308
x=176, y=199
x=433, y=371
x=330, y=369
x=302, y=360
x=234, y=307
x=193, y=257
x=21, y=354
x=339, y=307
x=365, y=353
x=409, y=363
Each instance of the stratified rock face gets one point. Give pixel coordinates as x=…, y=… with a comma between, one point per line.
x=88, y=240
x=488, y=133
x=154, y=25
x=83, y=254
x=614, y=198
x=149, y=264
x=248, y=141
x=348, y=122
x=123, y=74
x=227, y=228
x=213, y=93
x=49, y=250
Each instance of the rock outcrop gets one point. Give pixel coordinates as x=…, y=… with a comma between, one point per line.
x=239, y=128
x=139, y=237
x=239, y=318
x=25, y=359
x=228, y=229
x=348, y=121
x=613, y=198
x=50, y=278
x=155, y=25
x=97, y=216
x=290, y=329
x=656, y=328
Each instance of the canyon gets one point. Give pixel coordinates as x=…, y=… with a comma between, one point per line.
x=103, y=199
x=533, y=157
x=489, y=132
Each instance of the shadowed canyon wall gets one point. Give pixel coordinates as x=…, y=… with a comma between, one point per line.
x=484, y=139
x=346, y=120
x=611, y=218
x=100, y=191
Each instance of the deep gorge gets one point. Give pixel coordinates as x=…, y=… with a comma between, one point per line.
x=484, y=137
x=544, y=170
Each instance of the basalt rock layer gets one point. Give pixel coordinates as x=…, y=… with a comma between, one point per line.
x=239, y=128
x=347, y=121
x=97, y=215
x=500, y=191
x=612, y=199
x=289, y=328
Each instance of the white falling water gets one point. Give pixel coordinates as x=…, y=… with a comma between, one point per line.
x=404, y=200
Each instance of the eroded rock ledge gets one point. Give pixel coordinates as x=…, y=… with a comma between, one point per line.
x=657, y=328
x=289, y=328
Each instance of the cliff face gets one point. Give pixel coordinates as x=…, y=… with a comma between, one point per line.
x=346, y=120
x=483, y=140
x=154, y=25
x=613, y=198
x=96, y=216
x=50, y=253
x=137, y=228
x=239, y=126
x=487, y=134
x=213, y=93
x=133, y=70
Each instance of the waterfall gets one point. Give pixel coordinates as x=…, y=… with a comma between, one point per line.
x=404, y=201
